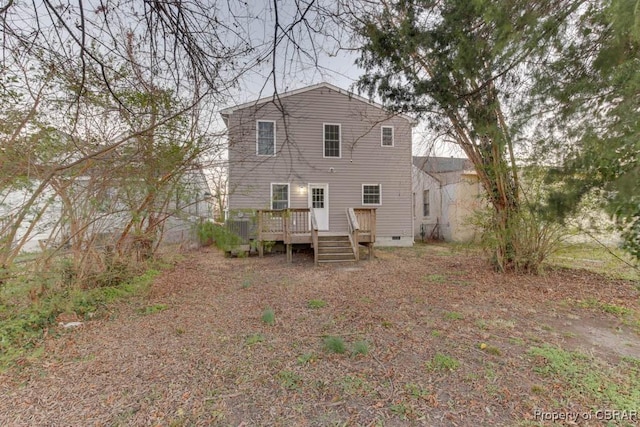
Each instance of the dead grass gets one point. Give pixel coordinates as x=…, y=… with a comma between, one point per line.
x=207, y=357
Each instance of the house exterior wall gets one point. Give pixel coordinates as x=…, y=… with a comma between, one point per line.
x=463, y=207
x=431, y=225
x=300, y=160
x=454, y=199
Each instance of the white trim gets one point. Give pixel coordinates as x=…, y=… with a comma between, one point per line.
x=380, y=195
x=324, y=134
x=393, y=136
x=326, y=199
x=258, y=137
x=227, y=111
x=288, y=194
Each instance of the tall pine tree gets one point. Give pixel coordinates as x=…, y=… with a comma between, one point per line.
x=460, y=64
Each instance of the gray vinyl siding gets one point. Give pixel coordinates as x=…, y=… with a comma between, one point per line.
x=299, y=157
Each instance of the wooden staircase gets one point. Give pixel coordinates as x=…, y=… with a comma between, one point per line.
x=336, y=248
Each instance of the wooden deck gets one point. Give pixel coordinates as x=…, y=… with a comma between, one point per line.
x=292, y=226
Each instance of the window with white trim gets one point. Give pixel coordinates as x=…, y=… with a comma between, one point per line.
x=279, y=196
x=371, y=194
x=265, y=138
x=386, y=135
x=332, y=140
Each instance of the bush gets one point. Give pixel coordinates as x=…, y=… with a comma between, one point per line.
x=524, y=244
x=206, y=233
x=209, y=233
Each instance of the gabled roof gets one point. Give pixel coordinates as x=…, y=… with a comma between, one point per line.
x=227, y=111
x=436, y=165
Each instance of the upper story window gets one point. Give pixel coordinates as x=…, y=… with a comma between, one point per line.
x=279, y=196
x=266, y=138
x=332, y=140
x=371, y=194
x=387, y=136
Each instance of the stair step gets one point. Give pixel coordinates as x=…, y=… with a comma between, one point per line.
x=333, y=238
x=326, y=261
x=334, y=257
x=334, y=245
x=331, y=254
x=334, y=249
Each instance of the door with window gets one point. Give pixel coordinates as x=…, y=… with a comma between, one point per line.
x=319, y=203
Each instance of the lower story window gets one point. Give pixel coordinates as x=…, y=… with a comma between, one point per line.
x=371, y=194
x=279, y=196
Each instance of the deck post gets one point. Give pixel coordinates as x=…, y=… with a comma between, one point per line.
x=370, y=251
x=260, y=224
x=260, y=248
x=356, y=238
x=289, y=253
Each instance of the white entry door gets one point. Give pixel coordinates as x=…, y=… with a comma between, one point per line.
x=319, y=202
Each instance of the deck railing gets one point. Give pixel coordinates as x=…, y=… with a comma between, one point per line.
x=366, y=218
x=285, y=224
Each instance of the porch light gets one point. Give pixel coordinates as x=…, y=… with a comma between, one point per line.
x=302, y=189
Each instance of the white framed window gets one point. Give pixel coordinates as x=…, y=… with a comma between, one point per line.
x=265, y=138
x=332, y=140
x=371, y=194
x=280, y=195
x=426, y=204
x=386, y=136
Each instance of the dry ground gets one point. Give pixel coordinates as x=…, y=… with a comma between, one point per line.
x=449, y=343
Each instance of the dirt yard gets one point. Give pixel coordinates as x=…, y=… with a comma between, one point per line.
x=432, y=336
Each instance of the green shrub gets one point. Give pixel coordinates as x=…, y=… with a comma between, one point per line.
x=254, y=339
x=290, y=380
x=520, y=243
x=453, y=315
x=269, y=316
x=151, y=309
x=442, y=362
x=360, y=347
x=225, y=239
x=316, y=303
x=334, y=345
x=206, y=233
x=306, y=358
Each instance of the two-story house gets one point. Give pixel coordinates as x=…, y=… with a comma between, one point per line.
x=321, y=159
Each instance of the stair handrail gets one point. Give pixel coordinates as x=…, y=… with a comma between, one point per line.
x=314, y=236
x=354, y=230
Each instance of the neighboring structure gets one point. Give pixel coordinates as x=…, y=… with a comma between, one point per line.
x=108, y=211
x=446, y=192
x=320, y=152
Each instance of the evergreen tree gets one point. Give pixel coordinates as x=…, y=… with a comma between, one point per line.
x=592, y=88
x=460, y=64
